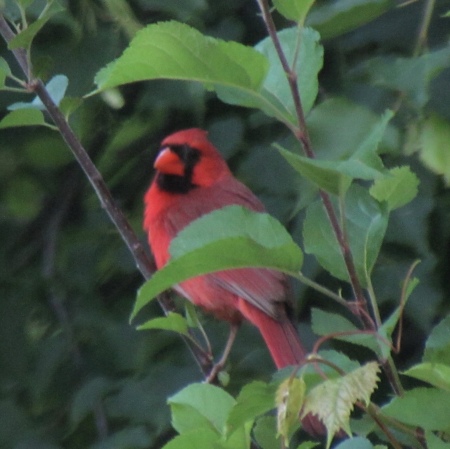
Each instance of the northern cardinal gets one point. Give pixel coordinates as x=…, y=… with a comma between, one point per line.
x=191, y=180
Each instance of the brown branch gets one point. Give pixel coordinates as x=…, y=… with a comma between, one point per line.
x=95, y=178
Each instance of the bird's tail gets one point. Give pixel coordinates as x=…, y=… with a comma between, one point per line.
x=286, y=349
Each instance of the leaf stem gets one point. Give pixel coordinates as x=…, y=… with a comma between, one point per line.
x=321, y=289
x=424, y=26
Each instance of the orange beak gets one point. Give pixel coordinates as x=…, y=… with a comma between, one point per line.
x=169, y=163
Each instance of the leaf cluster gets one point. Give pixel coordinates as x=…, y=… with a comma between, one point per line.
x=373, y=83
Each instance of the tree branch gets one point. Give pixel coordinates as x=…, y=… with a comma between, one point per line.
x=301, y=132
x=95, y=178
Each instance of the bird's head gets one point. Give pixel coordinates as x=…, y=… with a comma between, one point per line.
x=186, y=160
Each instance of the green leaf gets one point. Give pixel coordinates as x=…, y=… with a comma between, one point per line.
x=240, y=75
x=25, y=38
x=196, y=438
x=428, y=408
x=336, y=18
x=232, y=237
x=326, y=323
x=172, y=50
x=411, y=76
x=434, y=139
x=87, y=398
x=293, y=9
x=300, y=45
x=172, y=322
x=436, y=374
x=56, y=88
x=437, y=347
x=398, y=189
x=366, y=223
x=335, y=176
x=22, y=117
x=338, y=128
x=4, y=71
x=322, y=173
x=200, y=405
x=255, y=399
x=265, y=431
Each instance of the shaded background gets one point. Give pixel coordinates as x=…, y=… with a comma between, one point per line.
x=73, y=372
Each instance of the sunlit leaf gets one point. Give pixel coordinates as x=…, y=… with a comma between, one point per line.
x=333, y=400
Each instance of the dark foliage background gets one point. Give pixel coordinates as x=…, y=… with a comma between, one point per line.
x=73, y=372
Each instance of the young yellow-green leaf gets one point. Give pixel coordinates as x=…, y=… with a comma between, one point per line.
x=172, y=322
x=436, y=374
x=397, y=189
x=434, y=146
x=294, y=9
x=333, y=400
x=428, y=408
x=289, y=400
x=231, y=237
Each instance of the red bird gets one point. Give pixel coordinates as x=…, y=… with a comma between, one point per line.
x=191, y=180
